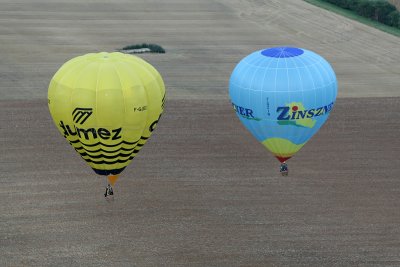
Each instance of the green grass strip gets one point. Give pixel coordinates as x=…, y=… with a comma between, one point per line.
x=352, y=15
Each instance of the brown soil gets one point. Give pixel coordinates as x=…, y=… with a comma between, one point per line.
x=203, y=192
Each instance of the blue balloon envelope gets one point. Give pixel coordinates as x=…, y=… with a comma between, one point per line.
x=283, y=95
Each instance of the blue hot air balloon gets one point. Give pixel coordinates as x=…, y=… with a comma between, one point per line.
x=283, y=95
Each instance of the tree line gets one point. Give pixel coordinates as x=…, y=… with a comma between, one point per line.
x=378, y=10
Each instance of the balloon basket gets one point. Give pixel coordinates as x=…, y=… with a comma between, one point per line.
x=283, y=169
x=109, y=194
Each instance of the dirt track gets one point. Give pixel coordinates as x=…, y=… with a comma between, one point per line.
x=204, y=193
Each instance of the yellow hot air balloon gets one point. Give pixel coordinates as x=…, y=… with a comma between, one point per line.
x=106, y=105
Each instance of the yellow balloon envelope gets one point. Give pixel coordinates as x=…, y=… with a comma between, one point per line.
x=106, y=105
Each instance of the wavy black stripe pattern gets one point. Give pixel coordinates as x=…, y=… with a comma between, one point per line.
x=107, y=157
x=107, y=151
x=100, y=143
x=109, y=162
x=121, y=157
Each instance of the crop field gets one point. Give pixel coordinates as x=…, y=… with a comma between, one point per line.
x=203, y=191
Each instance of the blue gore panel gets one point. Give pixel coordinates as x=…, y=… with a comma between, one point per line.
x=283, y=95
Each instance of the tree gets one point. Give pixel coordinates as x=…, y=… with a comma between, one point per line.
x=393, y=19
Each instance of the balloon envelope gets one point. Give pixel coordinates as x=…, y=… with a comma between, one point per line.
x=106, y=105
x=283, y=95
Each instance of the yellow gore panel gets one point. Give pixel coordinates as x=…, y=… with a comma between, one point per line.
x=106, y=105
x=281, y=147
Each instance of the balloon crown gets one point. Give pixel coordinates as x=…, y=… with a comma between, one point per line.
x=282, y=52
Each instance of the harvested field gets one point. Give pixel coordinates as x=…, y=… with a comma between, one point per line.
x=202, y=192
x=204, y=40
